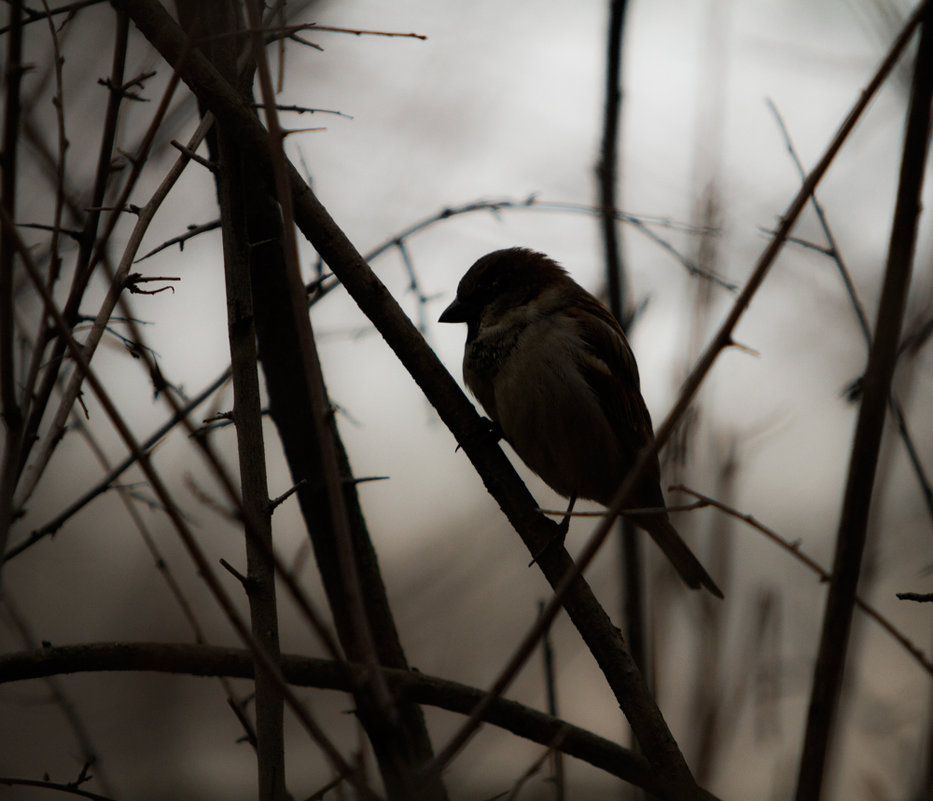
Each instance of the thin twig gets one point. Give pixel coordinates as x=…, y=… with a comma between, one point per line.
x=190, y=542
x=69, y=789
x=68, y=8
x=794, y=549
x=117, y=284
x=414, y=286
x=58, y=100
x=720, y=342
x=80, y=280
x=923, y=598
x=193, y=231
x=529, y=773
x=834, y=252
x=832, y=248
x=306, y=110
x=550, y=683
x=272, y=33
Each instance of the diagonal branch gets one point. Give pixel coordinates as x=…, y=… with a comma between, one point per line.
x=832, y=250
x=793, y=548
x=721, y=341
x=438, y=385
x=197, y=555
x=498, y=475
x=853, y=523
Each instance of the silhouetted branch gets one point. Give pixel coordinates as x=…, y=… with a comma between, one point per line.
x=794, y=549
x=190, y=542
x=36, y=16
x=375, y=301
x=191, y=233
x=303, y=671
x=71, y=788
x=876, y=393
x=923, y=598
x=721, y=341
x=233, y=190
x=11, y=412
x=833, y=251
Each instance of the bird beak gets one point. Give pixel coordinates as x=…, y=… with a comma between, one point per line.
x=456, y=312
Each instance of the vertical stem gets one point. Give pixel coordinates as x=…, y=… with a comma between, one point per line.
x=608, y=161
x=247, y=416
x=377, y=704
x=850, y=543
x=86, y=241
x=633, y=612
x=235, y=185
x=550, y=682
x=14, y=73
x=10, y=410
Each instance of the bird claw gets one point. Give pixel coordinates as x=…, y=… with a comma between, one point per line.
x=555, y=539
x=489, y=431
x=492, y=429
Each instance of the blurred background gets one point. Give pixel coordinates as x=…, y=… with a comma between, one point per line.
x=499, y=103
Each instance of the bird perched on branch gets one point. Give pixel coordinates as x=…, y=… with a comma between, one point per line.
x=551, y=366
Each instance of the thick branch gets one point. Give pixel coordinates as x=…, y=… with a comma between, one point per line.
x=206, y=660
x=197, y=555
x=299, y=406
x=498, y=475
x=440, y=388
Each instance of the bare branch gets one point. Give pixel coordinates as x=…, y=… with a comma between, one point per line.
x=876, y=394
x=833, y=251
x=456, y=411
x=193, y=231
x=190, y=542
x=303, y=671
x=10, y=411
x=35, y=16
x=71, y=788
x=794, y=549
x=720, y=342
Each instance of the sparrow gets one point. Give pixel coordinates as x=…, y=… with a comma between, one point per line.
x=551, y=366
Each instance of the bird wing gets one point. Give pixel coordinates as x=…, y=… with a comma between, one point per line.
x=611, y=371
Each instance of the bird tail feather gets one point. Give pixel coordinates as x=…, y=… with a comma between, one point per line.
x=678, y=552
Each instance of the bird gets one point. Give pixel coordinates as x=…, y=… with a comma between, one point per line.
x=553, y=370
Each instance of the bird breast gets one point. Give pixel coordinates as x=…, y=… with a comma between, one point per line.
x=548, y=411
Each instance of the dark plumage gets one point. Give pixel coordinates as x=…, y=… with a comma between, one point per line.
x=551, y=366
